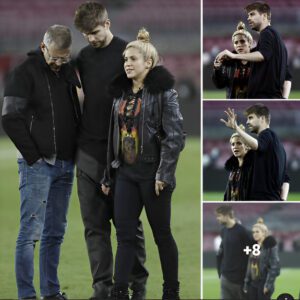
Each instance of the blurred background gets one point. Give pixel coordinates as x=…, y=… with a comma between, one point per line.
x=285, y=121
x=283, y=222
x=174, y=26
x=220, y=19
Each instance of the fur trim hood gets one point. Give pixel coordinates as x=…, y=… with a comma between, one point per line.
x=233, y=163
x=269, y=242
x=158, y=80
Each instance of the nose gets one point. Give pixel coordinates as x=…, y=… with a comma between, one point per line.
x=91, y=38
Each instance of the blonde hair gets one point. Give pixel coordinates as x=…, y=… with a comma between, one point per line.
x=241, y=29
x=142, y=44
x=262, y=226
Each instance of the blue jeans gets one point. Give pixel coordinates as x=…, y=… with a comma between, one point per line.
x=45, y=193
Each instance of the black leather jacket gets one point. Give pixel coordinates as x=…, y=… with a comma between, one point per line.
x=28, y=112
x=269, y=266
x=245, y=181
x=223, y=77
x=160, y=128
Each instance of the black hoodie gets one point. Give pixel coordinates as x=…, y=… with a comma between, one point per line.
x=41, y=109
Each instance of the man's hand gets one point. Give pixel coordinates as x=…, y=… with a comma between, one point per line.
x=159, y=186
x=225, y=55
x=105, y=189
x=231, y=119
x=266, y=291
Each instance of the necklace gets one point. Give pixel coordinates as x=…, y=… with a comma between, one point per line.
x=136, y=90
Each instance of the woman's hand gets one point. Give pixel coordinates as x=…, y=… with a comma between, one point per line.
x=159, y=186
x=105, y=189
x=266, y=291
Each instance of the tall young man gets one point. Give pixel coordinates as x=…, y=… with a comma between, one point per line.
x=40, y=113
x=270, y=77
x=270, y=181
x=231, y=257
x=98, y=63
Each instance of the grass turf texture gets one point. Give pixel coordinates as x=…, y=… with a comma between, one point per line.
x=220, y=94
x=218, y=196
x=287, y=282
x=74, y=273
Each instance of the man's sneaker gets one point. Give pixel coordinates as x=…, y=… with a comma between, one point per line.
x=58, y=296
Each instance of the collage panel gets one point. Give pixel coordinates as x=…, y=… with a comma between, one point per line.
x=49, y=48
x=251, y=251
x=269, y=169
x=251, y=49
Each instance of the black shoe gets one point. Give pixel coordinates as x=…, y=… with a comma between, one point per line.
x=119, y=293
x=101, y=291
x=138, y=294
x=170, y=292
x=58, y=296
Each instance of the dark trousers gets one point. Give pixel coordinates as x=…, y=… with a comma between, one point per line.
x=130, y=197
x=257, y=293
x=231, y=290
x=97, y=213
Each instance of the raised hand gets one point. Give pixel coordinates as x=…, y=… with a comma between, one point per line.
x=231, y=118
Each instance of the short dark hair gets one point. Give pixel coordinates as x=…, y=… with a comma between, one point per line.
x=225, y=210
x=59, y=35
x=261, y=7
x=89, y=15
x=259, y=110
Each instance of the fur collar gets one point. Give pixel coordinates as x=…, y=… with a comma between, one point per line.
x=269, y=242
x=232, y=163
x=158, y=80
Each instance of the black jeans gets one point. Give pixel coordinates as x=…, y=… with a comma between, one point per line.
x=97, y=213
x=130, y=197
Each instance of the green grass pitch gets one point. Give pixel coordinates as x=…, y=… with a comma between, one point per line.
x=74, y=270
x=287, y=282
x=220, y=94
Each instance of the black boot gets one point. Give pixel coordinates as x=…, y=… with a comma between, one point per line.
x=171, y=292
x=119, y=293
x=138, y=291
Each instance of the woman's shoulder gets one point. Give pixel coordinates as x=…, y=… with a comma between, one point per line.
x=269, y=242
x=159, y=80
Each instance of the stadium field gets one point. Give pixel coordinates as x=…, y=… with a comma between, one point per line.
x=215, y=196
x=221, y=95
x=287, y=282
x=74, y=268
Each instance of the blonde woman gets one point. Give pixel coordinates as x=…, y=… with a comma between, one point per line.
x=145, y=140
x=234, y=74
x=263, y=264
x=240, y=168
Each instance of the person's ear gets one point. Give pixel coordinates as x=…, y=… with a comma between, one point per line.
x=107, y=24
x=149, y=63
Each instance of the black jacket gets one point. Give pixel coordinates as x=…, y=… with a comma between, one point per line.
x=28, y=113
x=269, y=266
x=223, y=77
x=246, y=175
x=165, y=122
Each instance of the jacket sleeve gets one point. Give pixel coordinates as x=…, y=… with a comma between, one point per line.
x=173, y=139
x=108, y=175
x=273, y=268
x=16, y=102
x=247, y=276
x=220, y=77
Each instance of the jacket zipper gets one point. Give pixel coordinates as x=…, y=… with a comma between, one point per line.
x=52, y=110
x=143, y=119
x=31, y=123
